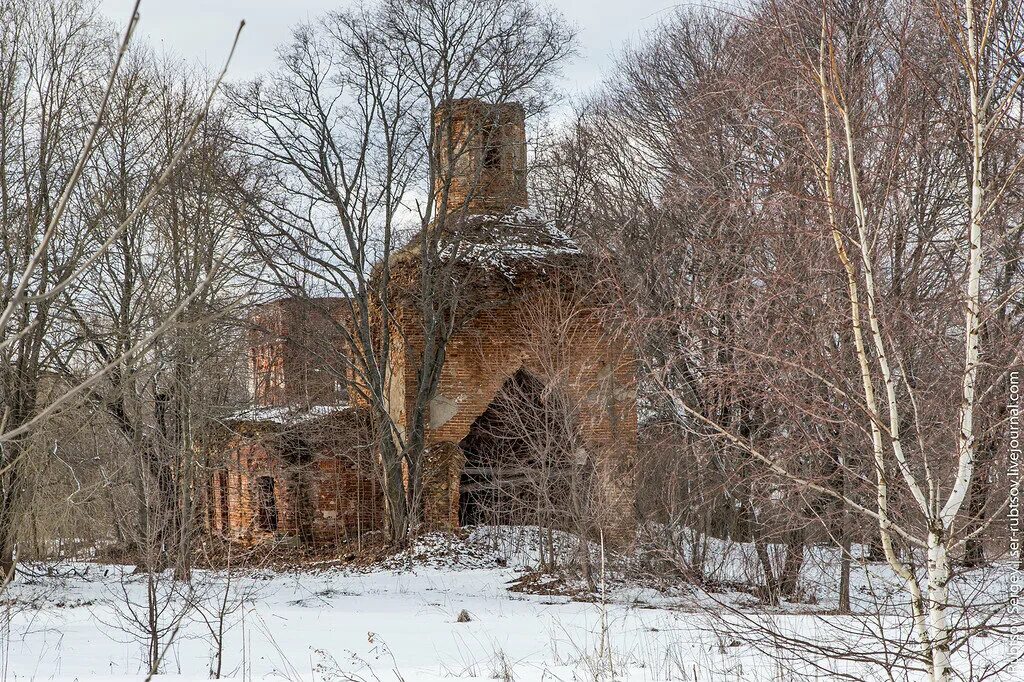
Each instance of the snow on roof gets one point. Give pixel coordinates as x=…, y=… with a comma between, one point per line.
x=286, y=415
x=511, y=242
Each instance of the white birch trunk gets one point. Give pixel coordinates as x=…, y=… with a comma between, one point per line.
x=966, y=440
x=913, y=585
x=938, y=600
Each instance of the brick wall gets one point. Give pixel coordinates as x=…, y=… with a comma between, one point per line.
x=297, y=352
x=330, y=476
x=493, y=346
x=481, y=154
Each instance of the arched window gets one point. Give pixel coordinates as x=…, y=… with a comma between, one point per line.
x=492, y=147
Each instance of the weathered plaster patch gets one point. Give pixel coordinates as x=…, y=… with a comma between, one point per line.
x=442, y=409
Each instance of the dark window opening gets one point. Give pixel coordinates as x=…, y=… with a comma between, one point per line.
x=492, y=148
x=267, y=516
x=299, y=486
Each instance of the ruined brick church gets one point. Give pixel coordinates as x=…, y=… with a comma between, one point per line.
x=301, y=464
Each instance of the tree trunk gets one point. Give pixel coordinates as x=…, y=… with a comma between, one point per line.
x=844, y=573
x=11, y=482
x=6, y=559
x=771, y=585
x=794, y=562
x=394, y=495
x=974, y=547
x=938, y=598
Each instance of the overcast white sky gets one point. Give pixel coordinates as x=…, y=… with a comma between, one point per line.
x=202, y=29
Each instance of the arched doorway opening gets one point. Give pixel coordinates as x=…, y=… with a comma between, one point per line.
x=520, y=456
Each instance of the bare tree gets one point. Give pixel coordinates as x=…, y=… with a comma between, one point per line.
x=52, y=54
x=348, y=125
x=163, y=404
x=805, y=181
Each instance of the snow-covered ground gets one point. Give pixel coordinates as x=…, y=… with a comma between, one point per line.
x=398, y=621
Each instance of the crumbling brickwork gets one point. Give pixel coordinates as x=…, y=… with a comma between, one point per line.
x=530, y=304
x=491, y=348
x=482, y=155
x=321, y=476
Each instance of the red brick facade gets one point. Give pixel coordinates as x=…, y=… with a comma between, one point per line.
x=598, y=372
x=299, y=462
x=320, y=474
x=531, y=306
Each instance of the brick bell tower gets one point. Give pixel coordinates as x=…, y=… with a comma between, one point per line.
x=518, y=277
x=481, y=153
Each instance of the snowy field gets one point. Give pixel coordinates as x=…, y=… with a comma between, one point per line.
x=398, y=621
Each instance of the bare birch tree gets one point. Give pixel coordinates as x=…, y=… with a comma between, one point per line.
x=808, y=179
